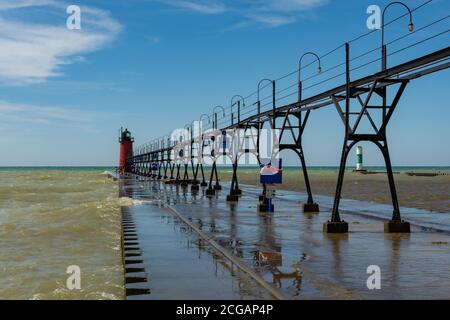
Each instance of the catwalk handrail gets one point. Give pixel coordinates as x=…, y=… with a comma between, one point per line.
x=424, y=61
x=427, y=64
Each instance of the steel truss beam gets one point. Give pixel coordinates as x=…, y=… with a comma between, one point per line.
x=378, y=137
x=375, y=84
x=295, y=132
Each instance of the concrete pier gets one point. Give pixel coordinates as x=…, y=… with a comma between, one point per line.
x=286, y=248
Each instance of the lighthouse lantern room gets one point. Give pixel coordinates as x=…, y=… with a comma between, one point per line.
x=126, y=150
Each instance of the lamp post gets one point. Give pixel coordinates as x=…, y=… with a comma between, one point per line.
x=187, y=155
x=258, y=91
x=235, y=192
x=188, y=128
x=319, y=70
x=188, y=141
x=238, y=103
x=215, y=115
x=383, y=46
x=258, y=103
x=211, y=191
x=159, y=157
x=200, y=124
x=155, y=146
x=201, y=132
x=166, y=152
x=193, y=129
x=159, y=143
x=166, y=146
x=203, y=183
x=147, y=149
x=263, y=207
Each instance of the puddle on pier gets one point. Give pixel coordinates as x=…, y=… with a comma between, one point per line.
x=289, y=250
x=179, y=265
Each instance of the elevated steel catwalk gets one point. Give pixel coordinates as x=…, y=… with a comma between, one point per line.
x=433, y=62
x=361, y=91
x=425, y=65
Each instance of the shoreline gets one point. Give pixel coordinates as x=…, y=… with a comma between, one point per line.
x=425, y=193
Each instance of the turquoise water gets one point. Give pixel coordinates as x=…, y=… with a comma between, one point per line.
x=75, y=169
x=443, y=169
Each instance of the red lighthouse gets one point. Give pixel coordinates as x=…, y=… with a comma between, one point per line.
x=126, y=150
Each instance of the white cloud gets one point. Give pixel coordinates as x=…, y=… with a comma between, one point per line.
x=271, y=20
x=205, y=7
x=17, y=4
x=32, y=52
x=31, y=114
x=291, y=5
x=268, y=12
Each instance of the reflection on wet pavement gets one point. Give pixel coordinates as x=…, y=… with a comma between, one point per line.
x=286, y=248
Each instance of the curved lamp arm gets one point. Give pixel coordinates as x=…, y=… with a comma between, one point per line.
x=168, y=140
x=205, y=115
x=219, y=107
x=319, y=70
x=383, y=46
x=215, y=115
x=261, y=82
x=161, y=141
x=241, y=98
x=410, y=26
x=188, y=127
x=200, y=124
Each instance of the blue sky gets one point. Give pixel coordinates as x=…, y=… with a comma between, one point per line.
x=156, y=65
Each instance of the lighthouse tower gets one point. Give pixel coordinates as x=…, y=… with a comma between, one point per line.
x=359, y=159
x=126, y=150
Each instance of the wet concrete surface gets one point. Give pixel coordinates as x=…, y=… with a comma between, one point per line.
x=178, y=265
x=287, y=248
